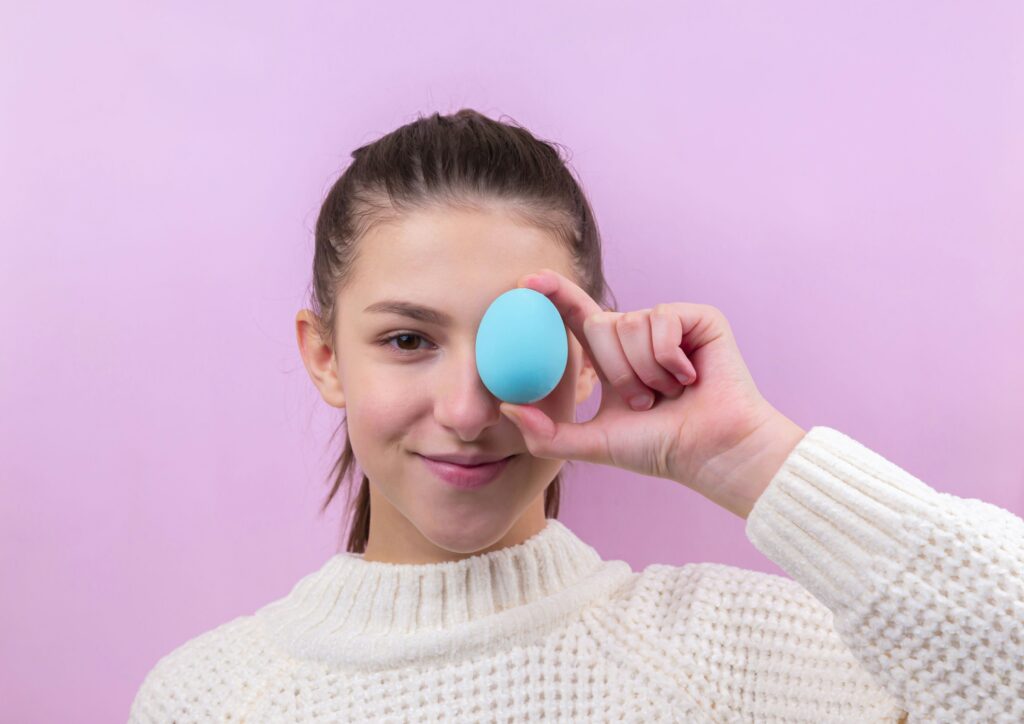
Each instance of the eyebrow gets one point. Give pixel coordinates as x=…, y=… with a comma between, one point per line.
x=420, y=313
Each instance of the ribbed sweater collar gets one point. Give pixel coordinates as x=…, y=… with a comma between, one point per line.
x=371, y=615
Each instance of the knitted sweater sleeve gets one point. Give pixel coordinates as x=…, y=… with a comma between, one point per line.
x=926, y=589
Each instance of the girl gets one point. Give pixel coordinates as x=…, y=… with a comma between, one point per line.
x=476, y=604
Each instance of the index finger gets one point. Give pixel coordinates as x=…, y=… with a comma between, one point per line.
x=574, y=304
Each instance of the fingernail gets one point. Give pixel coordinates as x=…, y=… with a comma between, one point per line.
x=641, y=402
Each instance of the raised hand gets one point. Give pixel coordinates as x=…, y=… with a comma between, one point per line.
x=709, y=427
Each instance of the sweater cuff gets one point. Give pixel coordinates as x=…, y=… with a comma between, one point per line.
x=835, y=511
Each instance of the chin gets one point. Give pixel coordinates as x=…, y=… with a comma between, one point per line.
x=467, y=537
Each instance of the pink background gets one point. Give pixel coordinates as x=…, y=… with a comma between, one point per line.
x=843, y=180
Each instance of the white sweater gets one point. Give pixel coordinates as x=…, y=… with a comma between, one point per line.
x=905, y=600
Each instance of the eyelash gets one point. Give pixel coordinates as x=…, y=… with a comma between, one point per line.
x=386, y=342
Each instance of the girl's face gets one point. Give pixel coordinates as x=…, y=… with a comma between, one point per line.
x=421, y=394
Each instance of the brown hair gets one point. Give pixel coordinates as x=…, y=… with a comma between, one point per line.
x=463, y=160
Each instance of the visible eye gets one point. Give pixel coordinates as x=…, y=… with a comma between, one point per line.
x=405, y=337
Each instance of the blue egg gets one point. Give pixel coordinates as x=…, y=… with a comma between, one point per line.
x=522, y=346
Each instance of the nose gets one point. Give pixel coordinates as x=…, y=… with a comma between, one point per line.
x=464, y=403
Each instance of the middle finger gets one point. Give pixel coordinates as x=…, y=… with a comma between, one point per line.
x=635, y=333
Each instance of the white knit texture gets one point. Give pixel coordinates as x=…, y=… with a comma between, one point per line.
x=903, y=601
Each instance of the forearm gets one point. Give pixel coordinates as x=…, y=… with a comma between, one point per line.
x=927, y=589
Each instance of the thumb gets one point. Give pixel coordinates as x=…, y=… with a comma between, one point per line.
x=546, y=438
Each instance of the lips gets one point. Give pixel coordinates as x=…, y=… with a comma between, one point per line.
x=466, y=460
x=466, y=476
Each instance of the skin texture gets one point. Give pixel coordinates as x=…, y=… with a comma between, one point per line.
x=422, y=394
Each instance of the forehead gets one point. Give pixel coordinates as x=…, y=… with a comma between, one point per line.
x=450, y=259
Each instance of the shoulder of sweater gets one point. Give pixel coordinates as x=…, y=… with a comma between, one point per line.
x=662, y=593
x=202, y=676
x=761, y=638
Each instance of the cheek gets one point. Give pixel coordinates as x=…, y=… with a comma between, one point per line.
x=380, y=409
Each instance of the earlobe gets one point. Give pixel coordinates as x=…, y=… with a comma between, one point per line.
x=318, y=358
x=586, y=381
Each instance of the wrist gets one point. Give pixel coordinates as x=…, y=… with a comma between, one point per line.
x=755, y=462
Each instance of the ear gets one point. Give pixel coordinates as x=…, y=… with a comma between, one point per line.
x=588, y=377
x=319, y=359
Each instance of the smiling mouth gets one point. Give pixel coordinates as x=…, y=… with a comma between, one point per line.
x=467, y=476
